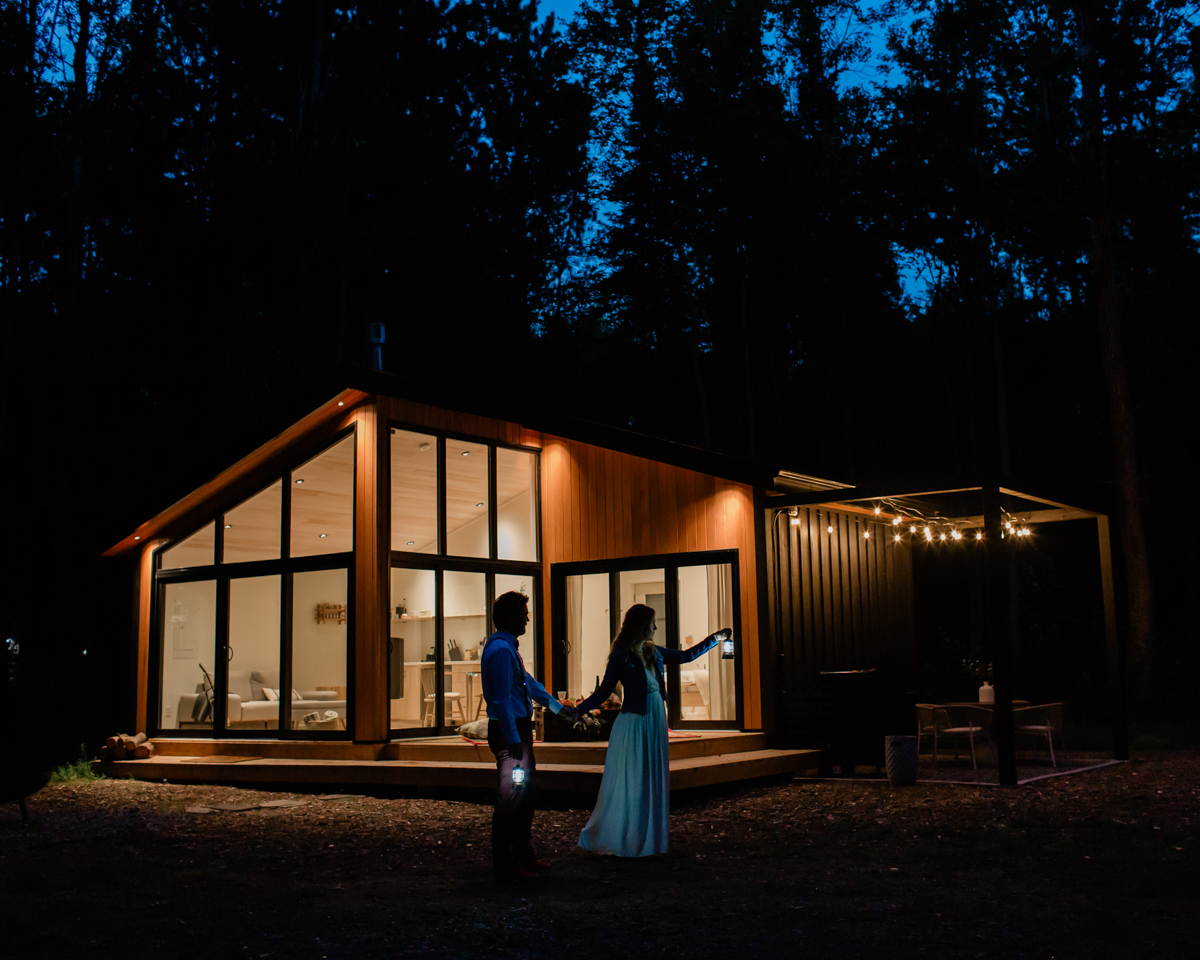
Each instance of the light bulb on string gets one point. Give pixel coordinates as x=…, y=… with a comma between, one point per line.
x=896, y=521
x=866, y=534
x=912, y=529
x=897, y=538
x=956, y=535
x=943, y=536
x=877, y=510
x=979, y=535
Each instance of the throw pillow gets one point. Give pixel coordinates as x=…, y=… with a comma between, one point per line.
x=270, y=693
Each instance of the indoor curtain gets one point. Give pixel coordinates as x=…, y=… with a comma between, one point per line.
x=723, y=706
x=575, y=636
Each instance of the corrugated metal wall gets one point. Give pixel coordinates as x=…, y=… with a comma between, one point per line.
x=837, y=600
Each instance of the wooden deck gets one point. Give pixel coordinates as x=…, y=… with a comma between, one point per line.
x=696, y=761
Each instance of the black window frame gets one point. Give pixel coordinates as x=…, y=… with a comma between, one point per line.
x=285, y=566
x=442, y=562
x=669, y=563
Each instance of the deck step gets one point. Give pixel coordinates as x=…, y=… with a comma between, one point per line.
x=686, y=772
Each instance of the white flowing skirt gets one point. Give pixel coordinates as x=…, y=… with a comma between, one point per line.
x=630, y=819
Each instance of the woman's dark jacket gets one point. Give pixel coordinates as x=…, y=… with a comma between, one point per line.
x=630, y=671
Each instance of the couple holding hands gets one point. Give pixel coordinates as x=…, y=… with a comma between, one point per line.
x=630, y=817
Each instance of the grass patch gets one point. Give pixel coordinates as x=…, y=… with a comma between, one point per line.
x=78, y=770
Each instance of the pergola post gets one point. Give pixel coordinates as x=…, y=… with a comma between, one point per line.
x=997, y=614
x=1116, y=686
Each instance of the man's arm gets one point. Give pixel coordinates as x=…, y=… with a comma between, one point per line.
x=539, y=693
x=496, y=667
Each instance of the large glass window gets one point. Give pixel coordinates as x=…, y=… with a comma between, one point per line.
x=251, y=529
x=467, y=533
x=414, y=492
x=411, y=647
x=323, y=502
x=188, y=616
x=706, y=685
x=320, y=687
x=194, y=550
x=253, y=653
x=516, y=505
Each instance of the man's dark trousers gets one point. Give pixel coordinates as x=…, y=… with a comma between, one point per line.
x=512, y=818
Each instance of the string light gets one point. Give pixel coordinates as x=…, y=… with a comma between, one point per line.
x=877, y=510
x=979, y=535
x=912, y=529
x=956, y=535
x=829, y=529
x=866, y=534
x=943, y=536
x=896, y=521
x=896, y=538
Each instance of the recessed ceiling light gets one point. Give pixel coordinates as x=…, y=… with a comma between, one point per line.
x=322, y=536
x=423, y=446
x=137, y=538
x=411, y=542
x=466, y=453
x=299, y=481
x=479, y=504
x=229, y=526
x=341, y=403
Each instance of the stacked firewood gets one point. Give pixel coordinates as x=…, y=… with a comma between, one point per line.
x=125, y=747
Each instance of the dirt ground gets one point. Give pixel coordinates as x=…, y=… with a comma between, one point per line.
x=1097, y=864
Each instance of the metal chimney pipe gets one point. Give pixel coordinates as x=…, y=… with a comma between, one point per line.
x=376, y=337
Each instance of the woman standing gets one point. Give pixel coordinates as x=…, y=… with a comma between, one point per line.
x=630, y=819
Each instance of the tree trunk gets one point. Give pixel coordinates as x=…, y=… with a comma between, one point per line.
x=1108, y=314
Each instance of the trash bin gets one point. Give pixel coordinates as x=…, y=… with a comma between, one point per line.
x=901, y=754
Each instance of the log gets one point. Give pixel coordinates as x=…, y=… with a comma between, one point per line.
x=105, y=753
x=143, y=751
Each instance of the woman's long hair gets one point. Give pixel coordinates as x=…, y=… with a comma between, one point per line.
x=634, y=630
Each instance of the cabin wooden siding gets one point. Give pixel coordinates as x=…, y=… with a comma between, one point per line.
x=600, y=504
x=836, y=601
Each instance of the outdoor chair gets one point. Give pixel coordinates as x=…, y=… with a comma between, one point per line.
x=959, y=723
x=926, y=723
x=1044, y=720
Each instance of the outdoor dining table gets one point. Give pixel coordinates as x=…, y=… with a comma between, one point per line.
x=984, y=746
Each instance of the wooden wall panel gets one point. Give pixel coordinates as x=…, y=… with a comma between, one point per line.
x=372, y=569
x=600, y=504
x=145, y=593
x=843, y=602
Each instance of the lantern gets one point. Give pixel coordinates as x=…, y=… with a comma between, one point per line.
x=518, y=775
x=727, y=646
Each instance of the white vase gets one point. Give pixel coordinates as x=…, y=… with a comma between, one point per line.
x=987, y=693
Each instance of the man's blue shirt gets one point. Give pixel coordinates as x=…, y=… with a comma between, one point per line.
x=507, y=685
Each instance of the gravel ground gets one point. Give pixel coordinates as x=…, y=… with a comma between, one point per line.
x=1096, y=864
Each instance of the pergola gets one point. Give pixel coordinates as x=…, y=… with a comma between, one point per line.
x=999, y=517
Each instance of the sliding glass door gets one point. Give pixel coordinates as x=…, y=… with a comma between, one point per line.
x=693, y=595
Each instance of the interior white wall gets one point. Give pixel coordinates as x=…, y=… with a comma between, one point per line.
x=254, y=623
x=514, y=528
x=416, y=589
x=318, y=650
x=188, y=640
x=465, y=597
x=528, y=643
x=469, y=540
x=693, y=605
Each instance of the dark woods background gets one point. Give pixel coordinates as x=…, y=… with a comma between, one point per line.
x=739, y=225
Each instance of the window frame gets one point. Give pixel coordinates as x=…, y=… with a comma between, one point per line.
x=669, y=563
x=284, y=567
x=442, y=562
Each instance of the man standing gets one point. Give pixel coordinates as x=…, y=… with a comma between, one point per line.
x=507, y=687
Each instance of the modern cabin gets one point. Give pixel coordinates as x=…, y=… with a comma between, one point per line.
x=336, y=584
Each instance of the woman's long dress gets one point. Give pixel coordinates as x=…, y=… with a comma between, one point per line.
x=630, y=819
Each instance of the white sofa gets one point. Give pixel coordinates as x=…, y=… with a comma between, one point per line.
x=247, y=705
